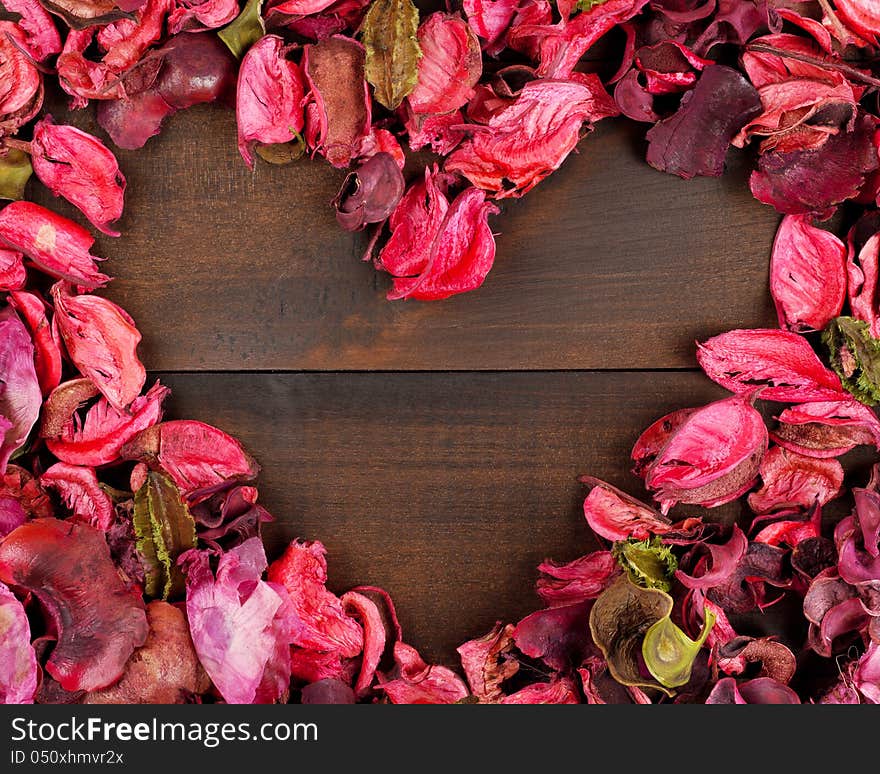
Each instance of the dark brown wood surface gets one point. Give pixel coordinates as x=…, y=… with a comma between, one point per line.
x=606, y=264
x=446, y=487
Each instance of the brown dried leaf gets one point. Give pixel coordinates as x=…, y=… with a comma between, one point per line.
x=393, y=52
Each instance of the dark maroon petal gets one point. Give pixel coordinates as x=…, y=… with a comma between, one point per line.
x=370, y=194
x=99, y=622
x=694, y=141
x=559, y=636
x=723, y=562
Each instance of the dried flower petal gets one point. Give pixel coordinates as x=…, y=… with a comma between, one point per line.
x=827, y=429
x=742, y=360
x=792, y=480
x=20, y=396
x=77, y=166
x=559, y=636
x=58, y=246
x=577, y=581
x=490, y=20
x=461, y=254
x=98, y=620
x=43, y=39
x=486, y=662
x=415, y=682
x=615, y=515
x=338, y=115
x=101, y=340
x=202, y=14
x=525, y=142
x=367, y=612
x=716, y=563
x=321, y=623
x=200, y=459
x=47, y=348
x=81, y=493
x=717, y=108
x=712, y=458
x=18, y=661
x=450, y=66
x=164, y=670
x=559, y=691
x=269, y=107
x=13, y=274
x=21, y=86
x=232, y=618
x=807, y=274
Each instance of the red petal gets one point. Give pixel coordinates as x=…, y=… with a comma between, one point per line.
x=13, y=275
x=792, y=480
x=98, y=621
x=614, y=515
x=58, y=246
x=807, y=274
x=461, y=255
x=269, y=105
x=450, y=66
x=780, y=361
x=47, y=349
x=81, y=493
x=419, y=683
x=78, y=166
x=101, y=340
x=199, y=458
x=577, y=581
x=827, y=429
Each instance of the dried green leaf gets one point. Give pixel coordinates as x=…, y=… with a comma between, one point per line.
x=648, y=563
x=855, y=357
x=619, y=619
x=586, y=5
x=669, y=653
x=164, y=529
x=283, y=152
x=15, y=171
x=392, y=50
x=245, y=30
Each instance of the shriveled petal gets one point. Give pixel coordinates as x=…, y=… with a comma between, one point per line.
x=793, y=480
x=80, y=491
x=20, y=397
x=615, y=515
x=18, y=660
x=807, y=274
x=47, y=347
x=269, y=105
x=415, y=682
x=577, y=581
x=57, y=246
x=528, y=140
x=102, y=341
x=98, y=620
x=782, y=363
x=487, y=663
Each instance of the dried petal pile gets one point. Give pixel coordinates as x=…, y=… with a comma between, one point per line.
x=131, y=564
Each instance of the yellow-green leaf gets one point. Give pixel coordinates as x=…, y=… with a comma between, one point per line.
x=245, y=30
x=164, y=529
x=392, y=50
x=283, y=152
x=669, y=653
x=15, y=171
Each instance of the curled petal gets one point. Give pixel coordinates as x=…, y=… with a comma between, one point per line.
x=712, y=458
x=560, y=691
x=461, y=254
x=21, y=86
x=782, y=363
x=827, y=428
x=559, y=636
x=79, y=167
x=487, y=662
x=18, y=660
x=525, y=142
x=792, y=480
x=269, y=105
x=20, y=397
x=614, y=515
x=81, y=493
x=98, y=620
x=57, y=246
x=807, y=274
x=577, y=581
x=450, y=66
x=47, y=348
x=721, y=564
x=199, y=458
x=101, y=340
x=367, y=612
x=415, y=682
x=370, y=194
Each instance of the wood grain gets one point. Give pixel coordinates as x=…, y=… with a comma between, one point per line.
x=607, y=264
x=445, y=489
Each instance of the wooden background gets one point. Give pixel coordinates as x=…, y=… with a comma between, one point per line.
x=434, y=448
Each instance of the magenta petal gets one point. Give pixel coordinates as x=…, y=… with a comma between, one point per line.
x=18, y=661
x=20, y=395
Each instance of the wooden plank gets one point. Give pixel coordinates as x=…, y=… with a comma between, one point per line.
x=445, y=489
x=607, y=264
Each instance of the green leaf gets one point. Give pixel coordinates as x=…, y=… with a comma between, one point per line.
x=164, y=529
x=669, y=653
x=245, y=30
x=15, y=171
x=392, y=50
x=648, y=563
x=586, y=5
x=855, y=357
x=619, y=619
